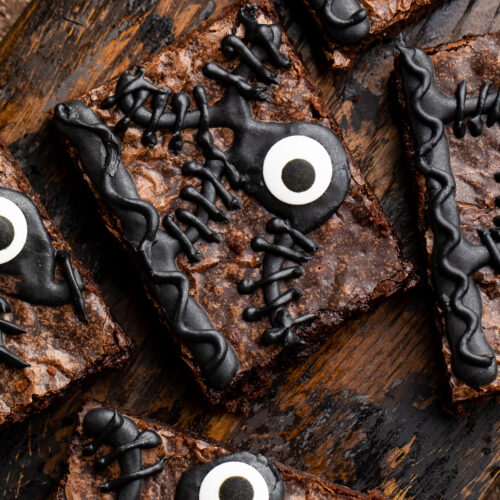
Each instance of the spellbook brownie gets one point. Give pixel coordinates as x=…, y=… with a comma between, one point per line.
x=55, y=329
x=137, y=459
x=346, y=27
x=451, y=100
x=194, y=158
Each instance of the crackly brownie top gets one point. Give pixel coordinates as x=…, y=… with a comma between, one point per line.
x=357, y=258
x=474, y=162
x=58, y=346
x=177, y=463
x=385, y=13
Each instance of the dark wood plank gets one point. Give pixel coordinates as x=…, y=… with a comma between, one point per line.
x=10, y=10
x=367, y=409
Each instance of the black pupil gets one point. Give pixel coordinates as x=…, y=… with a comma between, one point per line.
x=6, y=232
x=236, y=488
x=298, y=175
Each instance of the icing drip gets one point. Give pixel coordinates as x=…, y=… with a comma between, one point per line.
x=345, y=21
x=338, y=22
x=110, y=427
x=455, y=259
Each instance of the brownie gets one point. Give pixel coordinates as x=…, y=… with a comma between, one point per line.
x=241, y=304
x=55, y=329
x=451, y=109
x=347, y=27
x=177, y=465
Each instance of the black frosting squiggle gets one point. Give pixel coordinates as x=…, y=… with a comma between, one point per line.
x=156, y=249
x=454, y=258
x=108, y=426
x=9, y=328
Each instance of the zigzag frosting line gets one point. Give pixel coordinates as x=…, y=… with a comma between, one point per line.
x=450, y=243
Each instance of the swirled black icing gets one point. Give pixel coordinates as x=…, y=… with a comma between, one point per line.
x=233, y=486
x=241, y=165
x=455, y=259
x=34, y=272
x=345, y=21
x=108, y=426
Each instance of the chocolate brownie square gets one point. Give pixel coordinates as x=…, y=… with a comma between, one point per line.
x=346, y=27
x=451, y=101
x=55, y=329
x=190, y=174
x=156, y=461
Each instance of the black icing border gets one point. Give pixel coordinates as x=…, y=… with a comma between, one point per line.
x=455, y=259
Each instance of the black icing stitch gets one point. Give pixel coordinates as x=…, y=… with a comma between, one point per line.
x=345, y=21
x=34, y=271
x=455, y=259
x=229, y=488
x=8, y=328
x=108, y=426
x=273, y=271
x=241, y=165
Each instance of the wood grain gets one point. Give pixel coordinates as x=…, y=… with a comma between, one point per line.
x=367, y=410
x=10, y=10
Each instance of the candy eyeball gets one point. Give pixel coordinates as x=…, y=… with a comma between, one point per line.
x=13, y=230
x=241, y=476
x=234, y=480
x=297, y=170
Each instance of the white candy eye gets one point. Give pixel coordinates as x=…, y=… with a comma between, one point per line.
x=13, y=230
x=297, y=170
x=234, y=480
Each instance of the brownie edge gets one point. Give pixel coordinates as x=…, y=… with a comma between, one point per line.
x=473, y=160
x=181, y=452
x=61, y=349
x=386, y=19
x=357, y=263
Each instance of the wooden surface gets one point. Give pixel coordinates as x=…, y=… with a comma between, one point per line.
x=367, y=410
x=10, y=10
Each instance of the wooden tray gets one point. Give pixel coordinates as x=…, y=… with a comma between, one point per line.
x=367, y=410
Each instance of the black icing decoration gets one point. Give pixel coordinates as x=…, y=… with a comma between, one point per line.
x=233, y=487
x=345, y=21
x=109, y=427
x=455, y=259
x=156, y=249
x=8, y=328
x=34, y=269
x=241, y=165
